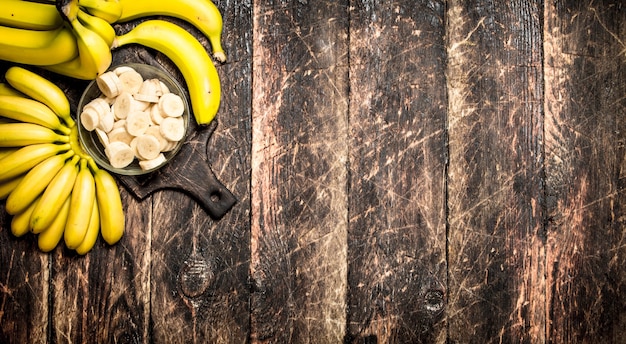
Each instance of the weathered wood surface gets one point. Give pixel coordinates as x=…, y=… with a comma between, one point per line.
x=405, y=171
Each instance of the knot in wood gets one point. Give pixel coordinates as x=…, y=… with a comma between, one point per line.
x=195, y=276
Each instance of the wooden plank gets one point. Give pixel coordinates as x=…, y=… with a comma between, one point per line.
x=24, y=281
x=397, y=235
x=299, y=175
x=496, y=241
x=586, y=170
x=200, y=290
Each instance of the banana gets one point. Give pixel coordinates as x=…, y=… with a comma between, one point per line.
x=20, y=224
x=22, y=134
x=92, y=231
x=28, y=157
x=50, y=237
x=28, y=110
x=97, y=25
x=39, y=88
x=29, y=15
x=53, y=197
x=109, y=10
x=7, y=187
x=94, y=56
x=81, y=207
x=203, y=14
x=37, y=48
x=8, y=90
x=189, y=56
x=34, y=183
x=4, y=151
x=112, y=220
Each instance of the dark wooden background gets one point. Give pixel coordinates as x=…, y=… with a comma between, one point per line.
x=406, y=172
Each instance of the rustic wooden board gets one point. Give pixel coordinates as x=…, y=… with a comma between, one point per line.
x=496, y=241
x=586, y=171
x=397, y=232
x=299, y=175
x=405, y=172
x=200, y=267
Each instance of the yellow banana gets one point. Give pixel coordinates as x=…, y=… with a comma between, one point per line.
x=190, y=57
x=94, y=55
x=20, y=224
x=34, y=182
x=112, y=220
x=81, y=207
x=41, y=89
x=31, y=111
x=4, y=151
x=57, y=191
x=97, y=25
x=107, y=10
x=50, y=237
x=203, y=14
x=22, y=134
x=29, y=15
x=28, y=157
x=6, y=187
x=92, y=231
x=37, y=47
x=8, y=90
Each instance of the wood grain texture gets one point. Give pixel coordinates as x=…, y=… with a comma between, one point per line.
x=406, y=172
x=24, y=292
x=496, y=240
x=585, y=168
x=104, y=294
x=299, y=174
x=397, y=231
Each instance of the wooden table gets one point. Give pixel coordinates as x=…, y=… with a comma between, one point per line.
x=405, y=172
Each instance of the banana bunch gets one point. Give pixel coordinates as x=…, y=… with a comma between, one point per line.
x=75, y=38
x=52, y=187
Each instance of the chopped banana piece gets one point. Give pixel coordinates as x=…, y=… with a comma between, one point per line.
x=171, y=105
x=108, y=83
x=89, y=118
x=154, y=163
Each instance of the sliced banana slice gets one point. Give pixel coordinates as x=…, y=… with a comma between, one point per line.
x=125, y=103
x=106, y=121
x=121, y=69
x=120, y=154
x=171, y=105
x=173, y=128
x=89, y=118
x=150, y=87
x=121, y=135
x=108, y=84
x=120, y=123
x=99, y=104
x=130, y=81
x=137, y=123
x=148, y=147
x=164, y=88
x=170, y=146
x=153, y=163
x=155, y=131
x=146, y=98
x=155, y=114
x=102, y=136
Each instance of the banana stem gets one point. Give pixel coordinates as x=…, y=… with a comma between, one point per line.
x=68, y=9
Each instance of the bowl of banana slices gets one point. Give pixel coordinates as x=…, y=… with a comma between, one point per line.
x=133, y=119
